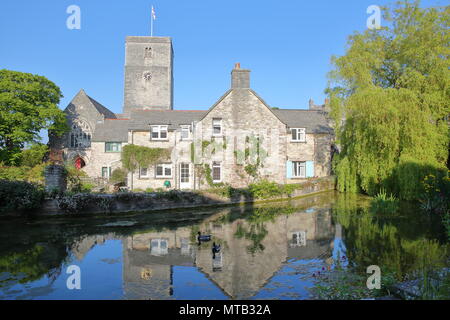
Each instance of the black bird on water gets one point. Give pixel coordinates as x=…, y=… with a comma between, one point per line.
x=201, y=238
x=215, y=249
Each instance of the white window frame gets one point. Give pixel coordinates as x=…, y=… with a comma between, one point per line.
x=164, y=167
x=156, y=247
x=143, y=176
x=116, y=147
x=216, y=164
x=300, y=134
x=300, y=239
x=298, y=164
x=185, y=128
x=217, y=122
x=108, y=172
x=159, y=129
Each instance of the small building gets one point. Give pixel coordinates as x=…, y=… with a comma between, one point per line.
x=238, y=140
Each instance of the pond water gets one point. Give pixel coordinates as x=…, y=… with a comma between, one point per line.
x=280, y=250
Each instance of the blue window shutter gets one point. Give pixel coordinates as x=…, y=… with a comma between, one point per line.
x=309, y=169
x=289, y=169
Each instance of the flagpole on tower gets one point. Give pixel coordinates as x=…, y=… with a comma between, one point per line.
x=153, y=17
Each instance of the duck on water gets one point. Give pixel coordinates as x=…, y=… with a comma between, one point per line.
x=203, y=237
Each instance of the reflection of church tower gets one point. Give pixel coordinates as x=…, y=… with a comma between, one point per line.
x=148, y=74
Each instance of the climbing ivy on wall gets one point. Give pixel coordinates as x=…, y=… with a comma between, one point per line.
x=252, y=157
x=134, y=156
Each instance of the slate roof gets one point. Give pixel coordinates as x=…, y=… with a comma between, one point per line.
x=315, y=121
x=111, y=130
x=141, y=119
x=115, y=129
x=102, y=109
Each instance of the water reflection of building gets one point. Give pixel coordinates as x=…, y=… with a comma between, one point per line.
x=243, y=267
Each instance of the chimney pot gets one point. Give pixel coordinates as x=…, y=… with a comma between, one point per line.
x=240, y=78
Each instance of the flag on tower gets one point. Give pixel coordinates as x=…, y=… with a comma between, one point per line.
x=153, y=13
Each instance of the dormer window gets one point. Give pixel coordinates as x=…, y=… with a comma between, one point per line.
x=159, y=132
x=217, y=126
x=298, y=134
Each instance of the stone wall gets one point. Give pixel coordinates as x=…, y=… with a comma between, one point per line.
x=55, y=178
x=139, y=202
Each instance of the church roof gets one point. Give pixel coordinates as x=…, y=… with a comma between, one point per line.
x=102, y=109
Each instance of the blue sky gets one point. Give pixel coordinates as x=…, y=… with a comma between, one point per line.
x=286, y=44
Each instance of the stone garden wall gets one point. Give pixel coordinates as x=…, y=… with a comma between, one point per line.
x=89, y=204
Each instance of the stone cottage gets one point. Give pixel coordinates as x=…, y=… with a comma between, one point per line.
x=238, y=140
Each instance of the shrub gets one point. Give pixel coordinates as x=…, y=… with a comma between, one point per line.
x=74, y=203
x=24, y=173
x=118, y=176
x=87, y=187
x=74, y=177
x=20, y=195
x=384, y=203
x=265, y=189
x=149, y=190
x=436, y=192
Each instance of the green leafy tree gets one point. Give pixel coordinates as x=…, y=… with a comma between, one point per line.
x=392, y=88
x=34, y=155
x=28, y=104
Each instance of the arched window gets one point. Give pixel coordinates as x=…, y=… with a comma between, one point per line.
x=80, y=135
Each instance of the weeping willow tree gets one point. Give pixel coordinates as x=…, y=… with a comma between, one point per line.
x=390, y=100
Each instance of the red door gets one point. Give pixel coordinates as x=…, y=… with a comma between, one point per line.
x=79, y=163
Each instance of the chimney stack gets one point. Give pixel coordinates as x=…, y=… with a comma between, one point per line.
x=240, y=78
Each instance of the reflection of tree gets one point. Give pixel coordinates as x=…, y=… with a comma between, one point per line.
x=28, y=265
x=372, y=241
x=256, y=233
x=269, y=213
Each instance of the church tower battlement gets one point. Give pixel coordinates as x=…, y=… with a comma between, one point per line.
x=148, y=73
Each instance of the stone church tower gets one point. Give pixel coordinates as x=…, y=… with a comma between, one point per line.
x=148, y=74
